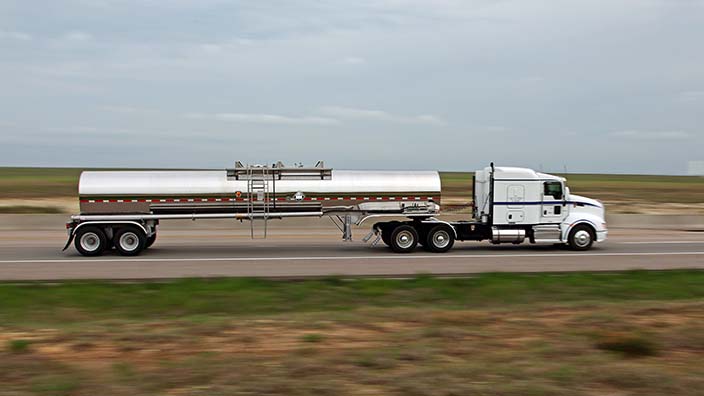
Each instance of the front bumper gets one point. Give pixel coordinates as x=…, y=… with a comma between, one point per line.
x=601, y=235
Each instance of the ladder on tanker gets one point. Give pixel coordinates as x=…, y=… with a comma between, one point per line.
x=259, y=199
x=261, y=187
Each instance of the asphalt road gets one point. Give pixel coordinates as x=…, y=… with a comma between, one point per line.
x=306, y=249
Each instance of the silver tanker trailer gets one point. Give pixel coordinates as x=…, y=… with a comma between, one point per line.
x=122, y=209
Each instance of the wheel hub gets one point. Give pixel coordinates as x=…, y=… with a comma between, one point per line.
x=582, y=238
x=90, y=241
x=441, y=239
x=404, y=239
x=129, y=241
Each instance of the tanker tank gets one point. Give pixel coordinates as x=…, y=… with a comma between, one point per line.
x=276, y=190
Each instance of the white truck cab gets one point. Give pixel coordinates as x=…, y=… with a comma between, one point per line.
x=539, y=203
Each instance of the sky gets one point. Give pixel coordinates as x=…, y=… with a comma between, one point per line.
x=587, y=86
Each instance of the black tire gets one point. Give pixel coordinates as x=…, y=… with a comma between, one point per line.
x=129, y=241
x=150, y=241
x=386, y=236
x=404, y=239
x=386, y=230
x=440, y=239
x=90, y=241
x=422, y=236
x=581, y=237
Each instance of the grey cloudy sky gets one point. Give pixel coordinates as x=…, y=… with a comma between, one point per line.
x=598, y=86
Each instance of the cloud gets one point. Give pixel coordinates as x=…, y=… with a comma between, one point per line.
x=260, y=118
x=691, y=96
x=651, y=135
x=128, y=109
x=73, y=40
x=78, y=129
x=380, y=115
x=14, y=35
x=223, y=46
x=353, y=60
x=77, y=36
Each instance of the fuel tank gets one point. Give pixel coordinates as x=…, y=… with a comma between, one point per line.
x=212, y=191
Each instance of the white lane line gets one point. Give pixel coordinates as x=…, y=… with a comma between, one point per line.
x=658, y=242
x=348, y=258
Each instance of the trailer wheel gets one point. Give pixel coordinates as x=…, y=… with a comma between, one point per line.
x=440, y=239
x=581, y=237
x=150, y=241
x=404, y=239
x=129, y=241
x=90, y=241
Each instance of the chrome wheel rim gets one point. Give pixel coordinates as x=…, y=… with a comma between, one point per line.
x=441, y=239
x=129, y=241
x=404, y=239
x=90, y=241
x=582, y=238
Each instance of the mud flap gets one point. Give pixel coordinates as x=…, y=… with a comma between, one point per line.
x=70, y=239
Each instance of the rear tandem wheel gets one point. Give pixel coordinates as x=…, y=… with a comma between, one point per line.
x=90, y=241
x=129, y=240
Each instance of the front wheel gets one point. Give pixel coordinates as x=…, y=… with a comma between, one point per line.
x=404, y=239
x=581, y=237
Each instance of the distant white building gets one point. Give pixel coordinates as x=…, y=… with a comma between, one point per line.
x=696, y=168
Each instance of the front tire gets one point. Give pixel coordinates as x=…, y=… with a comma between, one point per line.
x=404, y=239
x=129, y=241
x=440, y=239
x=581, y=237
x=90, y=241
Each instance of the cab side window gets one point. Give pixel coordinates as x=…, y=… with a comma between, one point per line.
x=553, y=189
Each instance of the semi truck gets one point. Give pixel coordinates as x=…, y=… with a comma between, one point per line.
x=122, y=210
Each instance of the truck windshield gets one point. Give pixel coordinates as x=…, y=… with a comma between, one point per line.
x=554, y=189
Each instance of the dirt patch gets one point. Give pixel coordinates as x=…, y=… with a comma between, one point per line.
x=553, y=349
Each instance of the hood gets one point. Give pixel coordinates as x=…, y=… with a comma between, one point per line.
x=574, y=198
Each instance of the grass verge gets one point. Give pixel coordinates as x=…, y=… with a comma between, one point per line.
x=578, y=334
x=233, y=296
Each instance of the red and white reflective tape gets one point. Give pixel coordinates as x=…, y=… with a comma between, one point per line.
x=177, y=200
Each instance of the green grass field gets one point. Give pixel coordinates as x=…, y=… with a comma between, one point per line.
x=615, y=190
x=634, y=333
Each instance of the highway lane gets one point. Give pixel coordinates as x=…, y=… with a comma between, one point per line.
x=317, y=251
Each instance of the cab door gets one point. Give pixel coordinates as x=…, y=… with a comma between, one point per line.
x=554, y=206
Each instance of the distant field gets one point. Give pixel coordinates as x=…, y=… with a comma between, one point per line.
x=621, y=193
x=634, y=333
x=38, y=182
